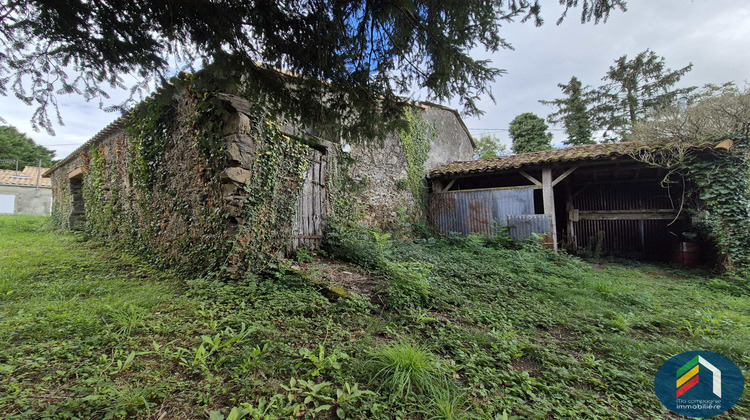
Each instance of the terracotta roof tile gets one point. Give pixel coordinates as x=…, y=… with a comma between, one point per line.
x=28, y=177
x=568, y=154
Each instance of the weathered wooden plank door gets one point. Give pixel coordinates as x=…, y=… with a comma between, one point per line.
x=309, y=220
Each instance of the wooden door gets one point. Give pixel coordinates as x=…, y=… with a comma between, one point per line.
x=309, y=220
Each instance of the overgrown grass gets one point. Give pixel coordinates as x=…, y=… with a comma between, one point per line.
x=87, y=331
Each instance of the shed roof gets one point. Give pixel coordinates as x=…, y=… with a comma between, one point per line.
x=544, y=157
x=27, y=177
x=590, y=152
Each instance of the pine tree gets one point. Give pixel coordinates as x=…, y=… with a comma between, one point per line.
x=529, y=133
x=634, y=89
x=573, y=112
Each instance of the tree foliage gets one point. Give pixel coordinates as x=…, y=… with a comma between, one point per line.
x=529, y=133
x=368, y=51
x=633, y=89
x=711, y=111
x=489, y=146
x=18, y=147
x=573, y=112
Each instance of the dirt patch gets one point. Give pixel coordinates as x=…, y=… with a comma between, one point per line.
x=663, y=274
x=347, y=278
x=522, y=364
x=599, y=266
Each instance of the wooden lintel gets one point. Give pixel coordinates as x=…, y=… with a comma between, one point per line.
x=450, y=184
x=530, y=178
x=76, y=173
x=564, y=175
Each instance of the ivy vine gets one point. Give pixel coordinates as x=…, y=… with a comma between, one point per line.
x=416, y=138
x=149, y=127
x=719, y=189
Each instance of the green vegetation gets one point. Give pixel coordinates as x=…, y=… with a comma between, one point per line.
x=16, y=146
x=635, y=90
x=416, y=137
x=573, y=112
x=506, y=330
x=489, y=146
x=529, y=133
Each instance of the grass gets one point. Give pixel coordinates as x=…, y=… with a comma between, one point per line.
x=403, y=368
x=89, y=331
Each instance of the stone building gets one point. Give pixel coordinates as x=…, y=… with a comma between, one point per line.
x=25, y=191
x=215, y=182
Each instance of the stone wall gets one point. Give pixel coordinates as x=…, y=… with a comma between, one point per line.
x=62, y=196
x=379, y=168
x=201, y=210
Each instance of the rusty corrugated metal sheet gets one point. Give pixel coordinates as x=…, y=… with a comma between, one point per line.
x=478, y=211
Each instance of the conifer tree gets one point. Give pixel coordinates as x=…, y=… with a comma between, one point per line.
x=635, y=88
x=529, y=133
x=573, y=112
x=369, y=52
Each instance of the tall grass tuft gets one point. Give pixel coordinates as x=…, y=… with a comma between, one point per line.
x=405, y=368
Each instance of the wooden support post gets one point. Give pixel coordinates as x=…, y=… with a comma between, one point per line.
x=548, y=198
x=568, y=207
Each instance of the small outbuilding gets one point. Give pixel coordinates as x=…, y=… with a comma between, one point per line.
x=212, y=179
x=25, y=191
x=598, y=198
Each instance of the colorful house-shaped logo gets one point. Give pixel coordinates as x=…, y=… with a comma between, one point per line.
x=688, y=376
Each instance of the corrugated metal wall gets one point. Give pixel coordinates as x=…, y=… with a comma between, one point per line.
x=523, y=226
x=478, y=211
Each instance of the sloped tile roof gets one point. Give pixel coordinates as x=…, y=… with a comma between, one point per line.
x=28, y=176
x=568, y=154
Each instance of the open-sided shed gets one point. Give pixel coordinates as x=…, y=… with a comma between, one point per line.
x=597, y=197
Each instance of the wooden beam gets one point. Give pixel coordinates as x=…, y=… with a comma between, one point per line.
x=548, y=198
x=530, y=178
x=564, y=175
x=450, y=184
x=515, y=187
x=75, y=174
x=654, y=214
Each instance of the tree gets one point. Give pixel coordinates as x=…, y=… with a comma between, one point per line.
x=366, y=51
x=17, y=146
x=713, y=112
x=529, y=133
x=634, y=89
x=489, y=146
x=573, y=112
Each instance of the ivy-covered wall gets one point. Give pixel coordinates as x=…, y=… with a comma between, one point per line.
x=209, y=180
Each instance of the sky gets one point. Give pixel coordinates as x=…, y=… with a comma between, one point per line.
x=713, y=35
